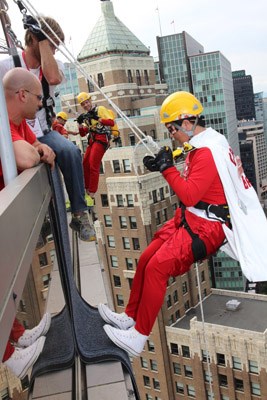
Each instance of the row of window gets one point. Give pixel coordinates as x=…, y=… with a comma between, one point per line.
x=128, y=262
x=123, y=222
x=125, y=241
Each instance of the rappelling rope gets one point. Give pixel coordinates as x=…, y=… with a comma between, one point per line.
x=143, y=139
x=203, y=329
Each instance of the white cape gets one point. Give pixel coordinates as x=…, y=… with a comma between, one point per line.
x=247, y=241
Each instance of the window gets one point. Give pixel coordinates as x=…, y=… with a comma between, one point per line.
x=108, y=221
x=161, y=193
x=4, y=394
x=111, y=241
x=205, y=356
x=224, y=397
x=138, y=78
x=158, y=218
x=130, y=202
x=146, y=77
x=117, y=281
x=186, y=351
x=237, y=363
x=129, y=75
x=184, y=287
x=136, y=244
x=176, y=368
x=207, y=376
x=129, y=263
x=186, y=305
x=202, y=276
x=164, y=215
x=144, y=362
x=133, y=223
x=126, y=243
x=116, y=166
x=46, y=280
x=174, y=349
x=168, y=301
x=126, y=165
x=255, y=388
x=191, y=391
x=104, y=200
x=177, y=314
x=223, y=380
x=149, y=397
x=100, y=80
x=154, y=196
x=120, y=300
x=179, y=387
x=146, y=380
x=239, y=385
x=220, y=359
x=151, y=346
x=43, y=260
x=114, y=261
x=175, y=296
x=101, y=169
x=119, y=200
x=123, y=222
x=153, y=365
x=188, y=371
x=156, y=384
x=253, y=367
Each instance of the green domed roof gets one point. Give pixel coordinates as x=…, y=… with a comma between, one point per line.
x=110, y=35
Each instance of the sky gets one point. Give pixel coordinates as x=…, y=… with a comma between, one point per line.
x=237, y=28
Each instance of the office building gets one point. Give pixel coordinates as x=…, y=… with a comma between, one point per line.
x=244, y=95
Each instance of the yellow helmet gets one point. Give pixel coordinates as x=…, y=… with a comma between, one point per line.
x=179, y=105
x=62, y=115
x=82, y=97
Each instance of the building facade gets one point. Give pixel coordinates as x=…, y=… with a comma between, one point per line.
x=244, y=96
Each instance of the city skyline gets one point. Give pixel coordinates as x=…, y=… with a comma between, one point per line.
x=236, y=29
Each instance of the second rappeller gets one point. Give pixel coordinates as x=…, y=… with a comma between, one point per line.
x=97, y=122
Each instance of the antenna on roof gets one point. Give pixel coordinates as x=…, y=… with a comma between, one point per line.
x=157, y=9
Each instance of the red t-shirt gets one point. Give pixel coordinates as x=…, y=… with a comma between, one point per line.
x=59, y=128
x=18, y=132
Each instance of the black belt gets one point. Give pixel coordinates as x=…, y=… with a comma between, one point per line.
x=221, y=211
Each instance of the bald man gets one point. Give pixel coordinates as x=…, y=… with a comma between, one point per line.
x=23, y=99
x=23, y=94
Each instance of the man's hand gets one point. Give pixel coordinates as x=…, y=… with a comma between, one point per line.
x=164, y=158
x=150, y=164
x=46, y=154
x=33, y=25
x=80, y=118
x=162, y=161
x=93, y=114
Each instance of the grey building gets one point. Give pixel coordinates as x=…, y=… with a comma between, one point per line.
x=244, y=96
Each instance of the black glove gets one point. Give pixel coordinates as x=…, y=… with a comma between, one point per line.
x=92, y=114
x=150, y=164
x=80, y=119
x=33, y=25
x=164, y=159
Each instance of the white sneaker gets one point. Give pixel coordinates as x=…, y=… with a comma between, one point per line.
x=31, y=335
x=23, y=359
x=121, y=321
x=131, y=341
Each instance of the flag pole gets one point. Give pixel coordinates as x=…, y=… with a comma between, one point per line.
x=157, y=9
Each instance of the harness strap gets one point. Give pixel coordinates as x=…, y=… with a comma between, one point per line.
x=198, y=246
x=221, y=211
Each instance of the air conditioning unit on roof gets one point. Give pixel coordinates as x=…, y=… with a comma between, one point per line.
x=232, y=305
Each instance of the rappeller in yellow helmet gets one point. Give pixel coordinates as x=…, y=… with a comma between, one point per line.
x=59, y=122
x=96, y=122
x=195, y=232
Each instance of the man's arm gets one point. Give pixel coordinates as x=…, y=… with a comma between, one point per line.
x=46, y=153
x=51, y=71
x=26, y=155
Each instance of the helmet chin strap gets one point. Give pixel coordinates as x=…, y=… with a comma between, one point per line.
x=189, y=133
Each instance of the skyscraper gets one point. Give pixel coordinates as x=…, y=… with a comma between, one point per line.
x=244, y=96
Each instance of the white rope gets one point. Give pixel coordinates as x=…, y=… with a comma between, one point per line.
x=69, y=56
x=203, y=329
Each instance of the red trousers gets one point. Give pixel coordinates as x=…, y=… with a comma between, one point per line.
x=91, y=165
x=169, y=254
x=16, y=332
